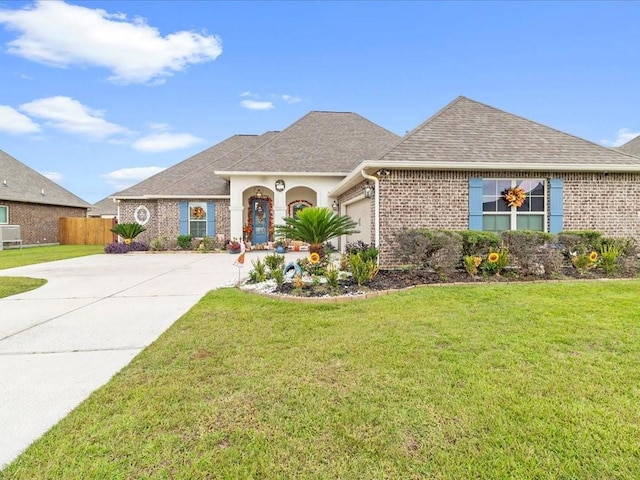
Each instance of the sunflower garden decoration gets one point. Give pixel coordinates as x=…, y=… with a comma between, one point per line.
x=514, y=197
x=496, y=261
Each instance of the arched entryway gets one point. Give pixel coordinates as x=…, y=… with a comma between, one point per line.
x=258, y=228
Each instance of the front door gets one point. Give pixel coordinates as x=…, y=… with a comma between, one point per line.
x=260, y=221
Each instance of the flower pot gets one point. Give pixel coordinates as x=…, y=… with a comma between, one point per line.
x=280, y=249
x=234, y=252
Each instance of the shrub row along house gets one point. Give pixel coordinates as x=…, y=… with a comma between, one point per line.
x=454, y=171
x=34, y=203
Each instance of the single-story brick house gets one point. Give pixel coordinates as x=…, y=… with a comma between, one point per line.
x=450, y=172
x=34, y=202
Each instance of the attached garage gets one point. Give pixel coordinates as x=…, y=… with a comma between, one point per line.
x=360, y=212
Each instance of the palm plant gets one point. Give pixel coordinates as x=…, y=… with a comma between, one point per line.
x=316, y=226
x=128, y=231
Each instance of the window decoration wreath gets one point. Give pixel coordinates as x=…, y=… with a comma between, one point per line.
x=198, y=212
x=514, y=197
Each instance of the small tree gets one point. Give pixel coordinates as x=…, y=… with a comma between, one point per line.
x=128, y=231
x=316, y=226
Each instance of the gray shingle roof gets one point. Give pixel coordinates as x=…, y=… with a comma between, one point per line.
x=632, y=147
x=466, y=131
x=194, y=176
x=106, y=206
x=331, y=142
x=20, y=183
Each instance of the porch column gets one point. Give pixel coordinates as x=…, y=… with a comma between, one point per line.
x=236, y=216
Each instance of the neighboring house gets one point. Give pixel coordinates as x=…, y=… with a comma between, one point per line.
x=34, y=202
x=105, y=208
x=632, y=147
x=450, y=172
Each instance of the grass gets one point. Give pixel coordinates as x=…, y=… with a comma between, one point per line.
x=27, y=256
x=14, y=285
x=529, y=381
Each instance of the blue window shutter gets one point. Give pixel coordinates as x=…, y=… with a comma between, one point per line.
x=184, y=218
x=556, y=205
x=211, y=219
x=475, y=204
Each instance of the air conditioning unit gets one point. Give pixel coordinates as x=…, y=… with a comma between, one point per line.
x=10, y=234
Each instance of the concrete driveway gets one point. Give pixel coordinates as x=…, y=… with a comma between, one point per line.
x=62, y=341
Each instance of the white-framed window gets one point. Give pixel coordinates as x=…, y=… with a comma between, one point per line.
x=198, y=219
x=498, y=215
x=4, y=214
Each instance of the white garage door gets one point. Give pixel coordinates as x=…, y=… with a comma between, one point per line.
x=360, y=212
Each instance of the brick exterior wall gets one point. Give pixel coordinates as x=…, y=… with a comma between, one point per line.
x=39, y=224
x=440, y=200
x=164, y=218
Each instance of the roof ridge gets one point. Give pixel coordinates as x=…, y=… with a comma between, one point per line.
x=210, y=162
x=414, y=130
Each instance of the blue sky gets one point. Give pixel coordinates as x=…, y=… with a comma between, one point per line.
x=97, y=95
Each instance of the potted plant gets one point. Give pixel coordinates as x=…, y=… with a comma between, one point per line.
x=280, y=248
x=234, y=246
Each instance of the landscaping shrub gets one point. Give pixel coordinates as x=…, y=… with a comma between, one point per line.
x=580, y=241
x=121, y=247
x=477, y=242
x=259, y=272
x=274, y=262
x=525, y=247
x=209, y=244
x=610, y=255
x=440, y=250
x=184, y=241
x=128, y=231
x=363, y=271
x=159, y=244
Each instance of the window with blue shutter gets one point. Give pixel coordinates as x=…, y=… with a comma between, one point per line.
x=556, y=205
x=475, y=204
x=211, y=219
x=184, y=218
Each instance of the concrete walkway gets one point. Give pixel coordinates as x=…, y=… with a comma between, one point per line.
x=62, y=341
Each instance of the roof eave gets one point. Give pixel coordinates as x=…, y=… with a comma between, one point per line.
x=369, y=167
x=158, y=197
x=244, y=173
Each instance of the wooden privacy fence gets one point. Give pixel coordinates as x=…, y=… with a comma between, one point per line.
x=86, y=231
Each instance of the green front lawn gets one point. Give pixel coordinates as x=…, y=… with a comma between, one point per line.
x=15, y=257
x=14, y=285
x=526, y=381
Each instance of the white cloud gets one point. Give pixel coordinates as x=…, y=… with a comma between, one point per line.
x=256, y=105
x=624, y=135
x=125, y=177
x=165, y=141
x=54, y=176
x=291, y=98
x=12, y=121
x=69, y=115
x=62, y=35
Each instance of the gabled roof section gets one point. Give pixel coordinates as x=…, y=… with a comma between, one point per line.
x=323, y=142
x=632, y=147
x=20, y=183
x=106, y=206
x=470, y=133
x=194, y=176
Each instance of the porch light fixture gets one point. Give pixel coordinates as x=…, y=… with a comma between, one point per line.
x=368, y=190
x=280, y=185
x=335, y=206
x=258, y=193
x=383, y=172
